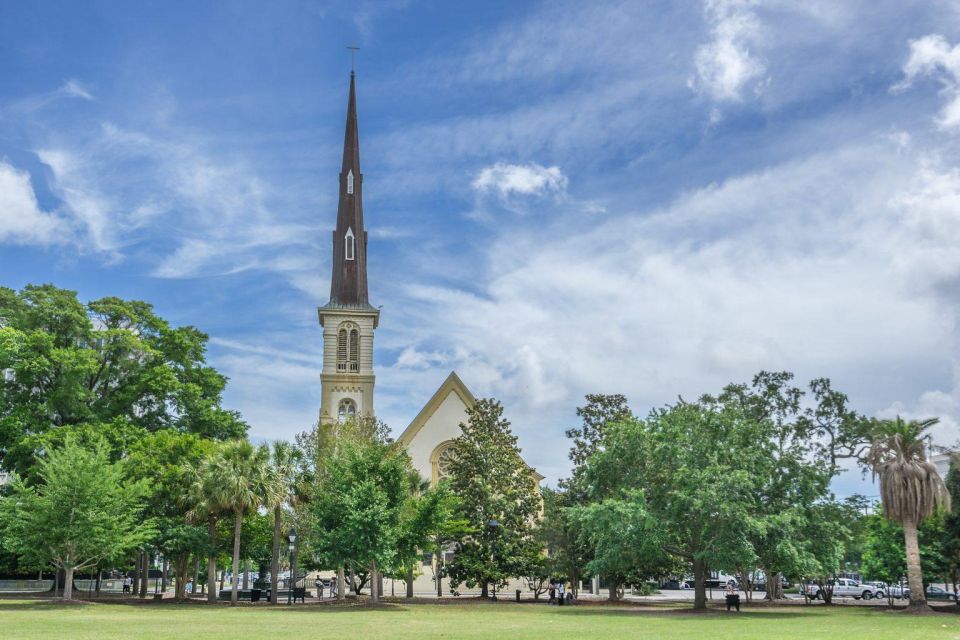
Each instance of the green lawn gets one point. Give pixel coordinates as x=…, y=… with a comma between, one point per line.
x=25, y=619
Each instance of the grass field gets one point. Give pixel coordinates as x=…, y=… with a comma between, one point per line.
x=25, y=619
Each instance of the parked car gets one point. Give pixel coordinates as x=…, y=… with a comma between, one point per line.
x=880, y=589
x=936, y=593
x=898, y=592
x=847, y=588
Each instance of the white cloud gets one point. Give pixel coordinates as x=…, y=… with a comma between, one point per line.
x=933, y=56
x=75, y=89
x=827, y=266
x=521, y=179
x=725, y=65
x=22, y=221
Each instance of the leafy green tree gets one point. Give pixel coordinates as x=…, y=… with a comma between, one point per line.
x=910, y=488
x=83, y=511
x=560, y=534
x=111, y=366
x=443, y=529
x=161, y=460
x=499, y=499
x=624, y=537
x=359, y=509
x=883, y=555
x=568, y=547
x=698, y=466
x=951, y=526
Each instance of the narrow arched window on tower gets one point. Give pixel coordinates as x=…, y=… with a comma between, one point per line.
x=354, y=350
x=349, y=244
x=342, y=350
x=350, y=182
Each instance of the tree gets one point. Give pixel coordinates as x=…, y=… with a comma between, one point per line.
x=110, y=364
x=597, y=416
x=366, y=484
x=624, y=537
x=161, y=460
x=910, y=489
x=444, y=529
x=239, y=486
x=883, y=556
x=83, y=511
x=698, y=466
x=283, y=477
x=499, y=500
x=569, y=552
x=951, y=526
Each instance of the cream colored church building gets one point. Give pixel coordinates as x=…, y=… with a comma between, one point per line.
x=349, y=322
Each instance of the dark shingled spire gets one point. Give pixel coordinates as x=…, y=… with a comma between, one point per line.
x=348, y=286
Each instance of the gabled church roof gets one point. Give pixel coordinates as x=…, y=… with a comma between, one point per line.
x=452, y=383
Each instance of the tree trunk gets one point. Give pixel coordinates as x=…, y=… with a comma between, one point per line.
x=774, y=587
x=68, y=583
x=613, y=587
x=135, y=578
x=374, y=587
x=196, y=574
x=699, y=584
x=410, y=581
x=484, y=592
x=223, y=578
x=246, y=573
x=236, y=558
x=164, y=574
x=145, y=575
x=575, y=584
x=439, y=575
x=341, y=585
x=275, y=557
x=918, y=600
x=212, y=560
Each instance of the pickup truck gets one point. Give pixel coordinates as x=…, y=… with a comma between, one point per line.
x=848, y=588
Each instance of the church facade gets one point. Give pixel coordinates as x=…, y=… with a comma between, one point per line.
x=349, y=321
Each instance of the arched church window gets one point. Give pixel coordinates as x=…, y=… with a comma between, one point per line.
x=445, y=461
x=349, y=245
x=350, y=182
x=354, y=350
x=342, y=350
x=347, y=410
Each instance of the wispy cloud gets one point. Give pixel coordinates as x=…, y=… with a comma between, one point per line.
x=933, y=56
x=725, y=65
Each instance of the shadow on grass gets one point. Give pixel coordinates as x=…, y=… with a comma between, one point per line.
x=766, y=614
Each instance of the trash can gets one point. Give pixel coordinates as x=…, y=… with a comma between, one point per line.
x=518, y=595
x=254, y=595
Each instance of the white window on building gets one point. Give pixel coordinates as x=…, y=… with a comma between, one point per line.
x=347, y=410
x=350, y=182
x=349, y=248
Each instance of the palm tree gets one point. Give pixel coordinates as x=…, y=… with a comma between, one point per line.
x=910, y=488
x=205, y=504
x=280, y=489
x=240, y=487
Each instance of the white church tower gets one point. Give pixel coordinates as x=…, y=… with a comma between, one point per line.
x=348, y=319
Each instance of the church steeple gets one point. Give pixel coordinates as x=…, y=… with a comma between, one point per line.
x=348, y=320
x=348, y=285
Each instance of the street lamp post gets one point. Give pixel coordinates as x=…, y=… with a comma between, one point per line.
x=292, y=540
x=494, y=529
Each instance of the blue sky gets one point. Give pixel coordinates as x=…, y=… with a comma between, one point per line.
x=563, y=198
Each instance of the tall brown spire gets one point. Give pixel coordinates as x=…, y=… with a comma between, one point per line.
x=348, y=286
